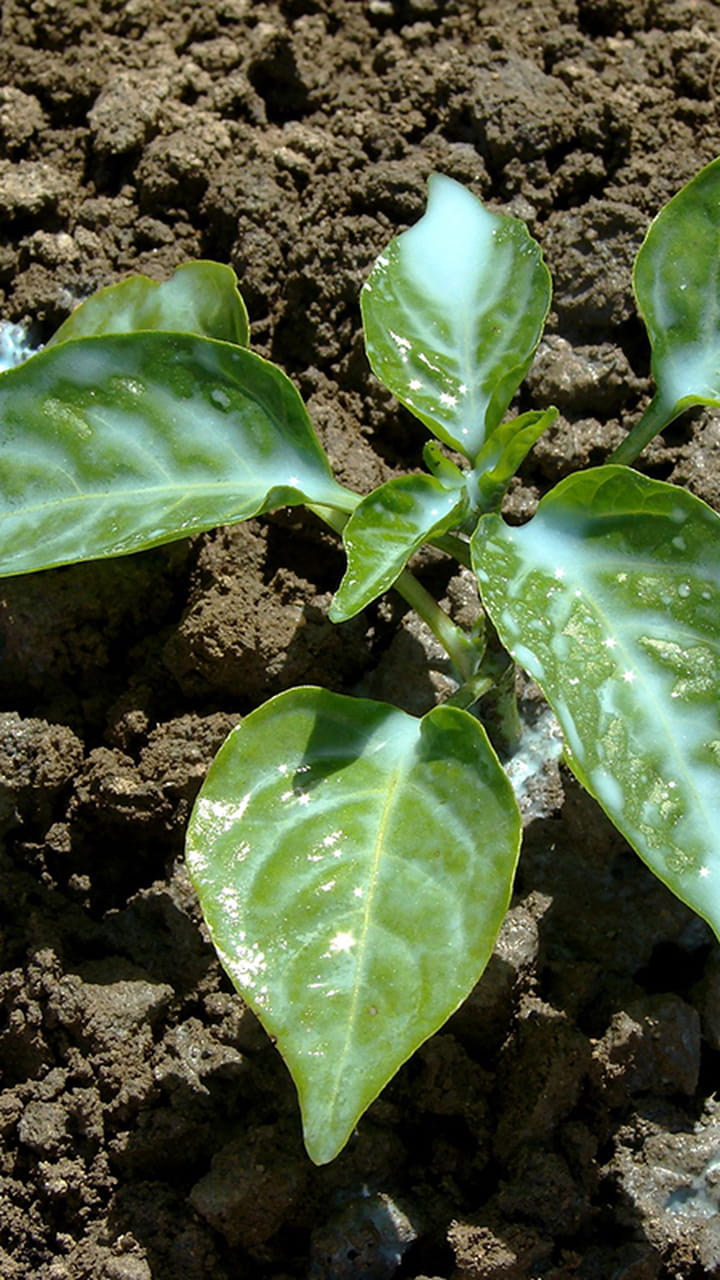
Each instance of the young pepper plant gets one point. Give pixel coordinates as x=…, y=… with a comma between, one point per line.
x=354, y=863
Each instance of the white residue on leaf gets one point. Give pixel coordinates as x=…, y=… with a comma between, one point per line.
x=403, y=344
x=197, y=860
x=245, y=963
x=221, y=815
x=429, y=363
x=229, y=900
x=343, y=941
x=132, y=386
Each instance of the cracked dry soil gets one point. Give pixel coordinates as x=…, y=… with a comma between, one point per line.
x=564, y=1123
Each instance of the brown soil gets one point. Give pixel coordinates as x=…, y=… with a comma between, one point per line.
x=563, y=1124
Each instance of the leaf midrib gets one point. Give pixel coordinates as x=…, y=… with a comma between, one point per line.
x=391, y=789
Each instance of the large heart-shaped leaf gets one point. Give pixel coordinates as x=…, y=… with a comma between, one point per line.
x=385, y=530
x=109, y=445
x=354, y=865
x=677, y=285
x=200, y=298
x=610, y=598
x=453, y=310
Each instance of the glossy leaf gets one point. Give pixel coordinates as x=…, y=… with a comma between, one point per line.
x=442, y=467
x=677, y=280
x=610, y=598
x=677, y=285
x=354, y=865
x=502, y=454
x=385, y=530
x=200, y=298
x=109, y=445
x=453, y=310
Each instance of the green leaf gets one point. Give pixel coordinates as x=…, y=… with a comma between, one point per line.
x=677, y=285
x=200, y=298
x=354, y=865
x=385, y=530
x=109, y=445
x=442, y=467
x=502, y=454
x=677, y=282
x=610, y=597
x=453, y=310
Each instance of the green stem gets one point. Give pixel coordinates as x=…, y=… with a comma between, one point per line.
x=493, y=687
x=656, y=417
x=500, y=713
x=495, y=683
x=455, y=547
x=336, y=517
x=461, y=649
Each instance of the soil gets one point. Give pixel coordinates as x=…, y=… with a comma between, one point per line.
x=564, y=1123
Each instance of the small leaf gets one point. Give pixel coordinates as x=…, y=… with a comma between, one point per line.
x=354, y=865
x=453, y=310
x=442, y=467
x=109, y=445
x=503, y=452
x=677, y=283
x=385, y=530
x=610, y=597
x=200, y=298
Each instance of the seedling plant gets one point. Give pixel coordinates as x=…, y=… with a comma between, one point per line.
x=353, y=862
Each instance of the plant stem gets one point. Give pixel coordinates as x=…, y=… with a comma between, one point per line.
x=330, y=515
x=500, y=713
x=655, y=418
x=461, y=649
x=484, y=670
x=455, y=547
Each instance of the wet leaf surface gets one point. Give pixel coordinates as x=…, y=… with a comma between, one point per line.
x=610, y=598
x=354, y=865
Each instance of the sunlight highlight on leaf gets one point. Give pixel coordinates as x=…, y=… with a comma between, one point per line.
x=452, y=311
x=200, y=298
x=354, y=865
x=610, y=597
x=110, y=445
